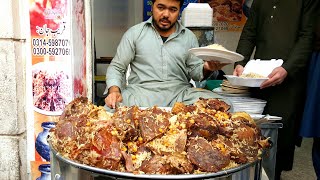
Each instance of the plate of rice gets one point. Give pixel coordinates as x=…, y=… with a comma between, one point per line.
x=216, y=52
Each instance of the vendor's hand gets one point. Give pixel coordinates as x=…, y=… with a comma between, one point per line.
x=213, y=65
x=113, y=97
x=238, y=70
x=276, y=77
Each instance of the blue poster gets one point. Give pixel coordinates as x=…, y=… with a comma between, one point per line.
x=148, y=3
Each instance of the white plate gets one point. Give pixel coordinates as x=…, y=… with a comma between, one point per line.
x=253, y=111
x=260, y=110
x=248, y=105
x=49, y=113
x=249, y=82
x=246, y=99
x=223, y=56
x=219, y=91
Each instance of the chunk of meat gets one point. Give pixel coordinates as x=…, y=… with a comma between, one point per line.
x=202, y=125
x=77, y=107
x=244, y=118
x=125, y=121
x=83, y=133
x=167, y=164
x=169, y=143
x=128, y=161
x=153, y=123
x=182, y=108
x=180, y=162
x=214, y=104
x=70, y=127
x=205, y=157
x=157, y=165
x=108, y=147
x=246, y=133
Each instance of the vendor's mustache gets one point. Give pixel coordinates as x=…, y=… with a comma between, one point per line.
x=165, y=20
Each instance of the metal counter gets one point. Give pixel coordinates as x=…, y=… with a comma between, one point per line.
x=269, y=159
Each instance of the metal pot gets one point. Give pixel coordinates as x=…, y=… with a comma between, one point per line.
x=65, y=169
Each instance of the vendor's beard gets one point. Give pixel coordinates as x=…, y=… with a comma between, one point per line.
x=164, y=29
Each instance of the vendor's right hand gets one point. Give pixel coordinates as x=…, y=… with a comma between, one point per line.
x=112, y=98
x=238, y=70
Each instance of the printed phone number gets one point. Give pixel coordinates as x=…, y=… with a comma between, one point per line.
x=221, y=26
x=37, y=42
x=42, y=51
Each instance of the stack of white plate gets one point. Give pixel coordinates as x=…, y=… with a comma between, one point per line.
x=227, y=89
x=224, y=93
x=197, y=14
x=249, y=105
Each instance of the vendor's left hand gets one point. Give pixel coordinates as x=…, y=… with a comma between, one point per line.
x=213, y=65
x=276, y=77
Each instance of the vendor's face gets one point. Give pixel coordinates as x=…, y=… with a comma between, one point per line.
x=165, y=14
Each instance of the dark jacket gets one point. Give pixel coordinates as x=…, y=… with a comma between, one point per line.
x=317, y=32
x=282, y=29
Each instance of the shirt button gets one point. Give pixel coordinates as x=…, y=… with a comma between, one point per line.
x=271, y=17
x=274, y=7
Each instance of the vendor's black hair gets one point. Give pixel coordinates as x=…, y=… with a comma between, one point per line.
x=181, y=2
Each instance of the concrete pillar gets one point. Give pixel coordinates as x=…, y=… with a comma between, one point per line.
x=13, y=24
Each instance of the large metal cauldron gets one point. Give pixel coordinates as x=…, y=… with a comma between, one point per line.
x=65, y=169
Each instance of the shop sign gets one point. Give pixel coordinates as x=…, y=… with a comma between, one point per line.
x=51, y=75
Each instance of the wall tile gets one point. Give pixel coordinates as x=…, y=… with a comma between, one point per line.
x=9, y=155
x=12, y=80
x=6, y=24
x=16, y=21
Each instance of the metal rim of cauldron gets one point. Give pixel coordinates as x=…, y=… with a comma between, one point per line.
x=119, y=174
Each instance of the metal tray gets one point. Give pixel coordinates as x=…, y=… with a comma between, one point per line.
x=63, y=169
